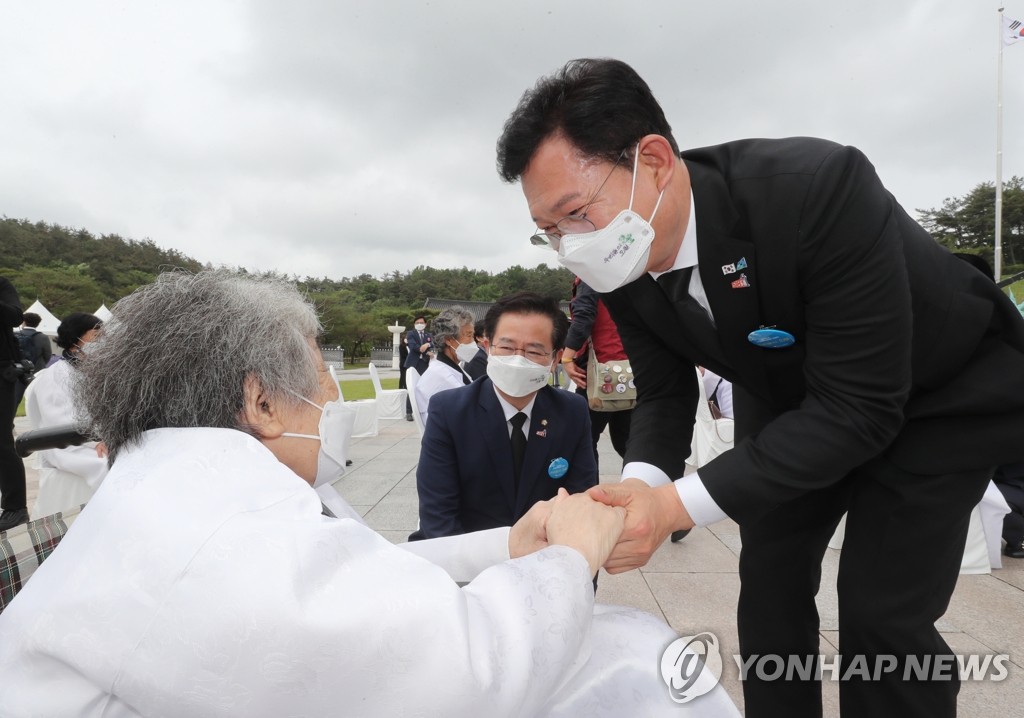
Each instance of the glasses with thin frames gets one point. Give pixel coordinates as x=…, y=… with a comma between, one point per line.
x=534, y=355
x=575, y=222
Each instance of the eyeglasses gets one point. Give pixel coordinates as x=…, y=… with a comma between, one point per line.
x=535, y=355
x=575, y=222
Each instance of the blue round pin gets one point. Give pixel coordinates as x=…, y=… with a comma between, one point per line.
x=771, y=338
x=558, y=468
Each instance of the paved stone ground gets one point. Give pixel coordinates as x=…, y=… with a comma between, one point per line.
x=694, y=584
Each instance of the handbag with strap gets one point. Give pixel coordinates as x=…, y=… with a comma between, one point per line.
x=610, y=386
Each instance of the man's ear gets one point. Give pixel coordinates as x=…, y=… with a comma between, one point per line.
x=259, y=412
x=486, y=344
x=657, y=154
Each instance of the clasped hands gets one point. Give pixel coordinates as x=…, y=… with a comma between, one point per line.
x=617, y=526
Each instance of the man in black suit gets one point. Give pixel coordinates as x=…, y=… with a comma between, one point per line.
x=495, y=447
x=418, y=340
x=477, y=366
x=872, y=371
x=12, y=470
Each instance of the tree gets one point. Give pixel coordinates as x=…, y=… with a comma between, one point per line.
x=967, y=224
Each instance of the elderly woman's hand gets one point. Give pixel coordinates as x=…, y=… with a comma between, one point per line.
x=529, y=533
x=588, y=526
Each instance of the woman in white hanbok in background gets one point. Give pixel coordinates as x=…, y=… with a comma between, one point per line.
x=204, y=580
x=67, y=477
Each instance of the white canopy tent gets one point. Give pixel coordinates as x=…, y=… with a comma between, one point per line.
x=103, y=313
x=49, y=323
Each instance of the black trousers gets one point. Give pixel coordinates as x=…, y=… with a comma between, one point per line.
x=617, y=423
x=905, y=536
x=12, y=470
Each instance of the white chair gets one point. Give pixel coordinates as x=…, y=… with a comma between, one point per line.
x=366, y=411
x=390, y=402
x=412, y=377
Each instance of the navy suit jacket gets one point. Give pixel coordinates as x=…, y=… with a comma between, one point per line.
x=464, y=476
x=418, y=360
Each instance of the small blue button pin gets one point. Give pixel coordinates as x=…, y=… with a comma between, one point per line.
x=558, y=468
x=771, y=338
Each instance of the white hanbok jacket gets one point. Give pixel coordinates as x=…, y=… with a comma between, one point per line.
x=202, y=580
x=67, y=477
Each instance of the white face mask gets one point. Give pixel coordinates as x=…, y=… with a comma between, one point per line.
x=335, y=427
x=466, y=352
x=615, y=255
x=516, y=375
x=420, y=327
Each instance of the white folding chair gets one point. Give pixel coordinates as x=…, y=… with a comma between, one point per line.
x=412, y=377
x=366, y=411
x=390, y=402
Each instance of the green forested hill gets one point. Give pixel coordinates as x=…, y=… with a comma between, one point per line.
x=73, y=270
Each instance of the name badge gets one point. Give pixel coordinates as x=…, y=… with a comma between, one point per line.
x=558, y=468
x=771, y=338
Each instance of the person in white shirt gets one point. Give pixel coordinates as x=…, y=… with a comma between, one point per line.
x=203, y=579
x=67, y=477
x=452, y=332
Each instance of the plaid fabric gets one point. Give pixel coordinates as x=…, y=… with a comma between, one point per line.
x=24, y=547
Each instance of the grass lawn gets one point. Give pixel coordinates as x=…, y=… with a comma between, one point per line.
x=363, y=388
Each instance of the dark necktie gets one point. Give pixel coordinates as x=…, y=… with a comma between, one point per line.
x=676, y=286
x=518, y=446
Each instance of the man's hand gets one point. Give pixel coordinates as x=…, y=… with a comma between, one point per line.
x=588, y=526
x=530, y=533
x=651, y=515
x=578, y=375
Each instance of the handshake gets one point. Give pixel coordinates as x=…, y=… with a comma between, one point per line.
x=617, y=526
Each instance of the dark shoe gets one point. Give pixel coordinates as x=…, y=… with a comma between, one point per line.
x=408, y=417
x=678, y=536
x=10, y=519
x=1014, y=551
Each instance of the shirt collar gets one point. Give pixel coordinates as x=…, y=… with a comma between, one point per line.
x=687, y=254
x=510, y=410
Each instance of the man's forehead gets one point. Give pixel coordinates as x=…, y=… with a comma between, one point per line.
x=519, y=327
x=558, y=174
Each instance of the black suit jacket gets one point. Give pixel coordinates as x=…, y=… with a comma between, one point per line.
x=418, y=360
x=464, y=476
x=901, y=349
x=477, y=366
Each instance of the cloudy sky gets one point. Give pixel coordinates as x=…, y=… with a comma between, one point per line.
x=333, y=138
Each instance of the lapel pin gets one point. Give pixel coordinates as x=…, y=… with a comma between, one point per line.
x=742, y=264
x=543, y=433
x=728, y=268
x=558, y=468
x=543, y=422
x=741, y=282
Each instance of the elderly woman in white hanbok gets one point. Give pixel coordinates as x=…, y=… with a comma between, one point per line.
x=67, y=477
x=203, y=579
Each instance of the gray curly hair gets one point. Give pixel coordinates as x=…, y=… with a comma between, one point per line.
x=177, y=353
x=448, y=325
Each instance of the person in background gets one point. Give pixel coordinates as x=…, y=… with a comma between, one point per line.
x=35, y=349
x=592, y=326
x=67, y=477
x=403, y=355
x=477, y=366
x=13, y=499
x=494, y=448
x=419, y=344
x=452, y=339
x=203, y=579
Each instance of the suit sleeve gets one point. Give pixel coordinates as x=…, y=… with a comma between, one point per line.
x=857, y=309
x=412, y=340
x=666, y=383
x=583, y=469
x=437, y=474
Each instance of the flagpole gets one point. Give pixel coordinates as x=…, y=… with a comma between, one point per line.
x=999, y=156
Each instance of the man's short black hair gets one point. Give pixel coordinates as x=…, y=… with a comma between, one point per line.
x=74, y=326
x=601, y=106
x=420, y=318
x=529, y=303
x=32, y=319
x=479, y=330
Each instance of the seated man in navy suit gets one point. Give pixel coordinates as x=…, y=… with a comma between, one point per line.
x=497, y=446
